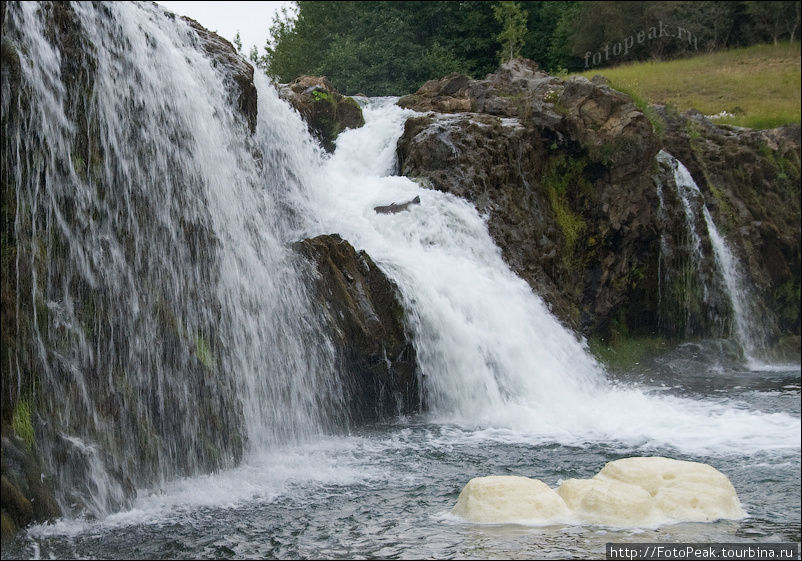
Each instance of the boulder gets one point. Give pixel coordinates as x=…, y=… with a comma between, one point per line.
x=367, y=326
x=325, y=110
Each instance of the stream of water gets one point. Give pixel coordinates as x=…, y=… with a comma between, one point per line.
x=509, y=390
x=500, y=405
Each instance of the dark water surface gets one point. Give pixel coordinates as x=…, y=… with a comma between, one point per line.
x=385, y=491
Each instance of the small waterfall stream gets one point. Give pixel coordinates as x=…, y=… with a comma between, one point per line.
x=490, y=352
x=748, y=323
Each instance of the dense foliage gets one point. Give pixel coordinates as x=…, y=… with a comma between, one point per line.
x=392, y=47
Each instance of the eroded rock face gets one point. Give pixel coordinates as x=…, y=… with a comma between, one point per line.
x=366, y=324
x=325, y=110
x=563, y=170
x=53, y=474
x=27, y=494
x=567, y=174
x=751, y=183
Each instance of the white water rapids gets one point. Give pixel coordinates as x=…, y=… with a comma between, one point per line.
x=492, y=356
x=500, y=372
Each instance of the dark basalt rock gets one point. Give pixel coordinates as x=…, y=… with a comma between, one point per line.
x=30, y=472
x=27, y=494
x=325, y=110
x=751, y=183
x=558, y=166
x=366, y=323
x=566, y=172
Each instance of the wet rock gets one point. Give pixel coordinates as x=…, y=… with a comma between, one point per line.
x=367, y=325
x=27, y=493
x=56, y=471
x=558, y=167
x=566, y=172
x=750, y=180
x=325, y=110
x=238, y=72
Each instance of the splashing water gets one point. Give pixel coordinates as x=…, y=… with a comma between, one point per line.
x=171, y=324
x=491, y=354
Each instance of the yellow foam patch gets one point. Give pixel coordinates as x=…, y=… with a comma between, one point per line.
x=632, y=492
x=506, y=498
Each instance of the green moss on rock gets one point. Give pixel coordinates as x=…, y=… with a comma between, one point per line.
x=21, y=422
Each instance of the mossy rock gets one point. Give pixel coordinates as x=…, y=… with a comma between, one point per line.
x=368, y=327
x=7, y=526
x=326, y=112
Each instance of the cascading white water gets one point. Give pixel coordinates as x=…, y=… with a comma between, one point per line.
x=687, y=190
x=691, y=306
x=491, y=354
x=178, y=333
x=155, y=229
x=748, y=321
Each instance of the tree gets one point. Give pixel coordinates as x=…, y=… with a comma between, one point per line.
x=258, y=61
x=772, y=20
x=542, y=42
x=238, y=42
x=382, y=48
x=513, y=22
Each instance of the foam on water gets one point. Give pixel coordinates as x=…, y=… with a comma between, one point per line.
x=171, y=329
x=262, y=478
x=179, y=168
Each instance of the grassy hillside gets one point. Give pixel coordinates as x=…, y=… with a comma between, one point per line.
x=758, y=86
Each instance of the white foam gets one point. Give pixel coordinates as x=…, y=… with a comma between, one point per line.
x=629, y=493
x=612, y=503
x=508, y=498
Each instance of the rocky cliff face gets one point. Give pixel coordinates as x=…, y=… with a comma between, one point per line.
x=566, y=172
x=238, y=72
x=367, y=326
x=89, y=412
x=751, y=183
x=563, y=170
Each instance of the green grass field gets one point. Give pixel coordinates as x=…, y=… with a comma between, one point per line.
x=759, y=85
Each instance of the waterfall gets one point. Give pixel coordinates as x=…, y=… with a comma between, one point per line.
x=171, y=332
x=690, y=305
x=492, y=356
x=163, y=325
x=748, y=321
